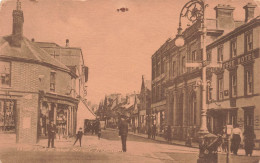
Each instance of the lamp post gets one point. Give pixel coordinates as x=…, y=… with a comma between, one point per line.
x=194, y=11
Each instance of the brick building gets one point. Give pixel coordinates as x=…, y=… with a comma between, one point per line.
x=233, y=89
x=34, y=87
x=145, y=105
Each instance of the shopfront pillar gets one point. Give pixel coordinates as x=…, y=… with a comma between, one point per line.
x=55, y=113
x=67, y=126
x=175, y=107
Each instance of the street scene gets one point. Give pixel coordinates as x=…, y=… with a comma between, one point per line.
x=130, y=81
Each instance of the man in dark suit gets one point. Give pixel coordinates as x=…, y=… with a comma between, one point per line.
x=51, y=134
x=123, y=131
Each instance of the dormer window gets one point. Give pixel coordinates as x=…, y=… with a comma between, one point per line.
x=5, y=74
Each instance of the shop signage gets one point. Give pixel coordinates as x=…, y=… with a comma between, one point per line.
x=239, y=60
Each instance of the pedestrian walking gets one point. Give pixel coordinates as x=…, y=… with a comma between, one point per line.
x=149, y=132
x=79, y=136
x=99, y=133
x=249, y=137
x=123, y=131
x=235, y=139
x=153, y=131
x=51, y=134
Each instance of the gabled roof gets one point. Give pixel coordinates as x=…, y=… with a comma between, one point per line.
x=28, y=52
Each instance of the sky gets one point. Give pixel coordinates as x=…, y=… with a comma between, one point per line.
x=117, y=46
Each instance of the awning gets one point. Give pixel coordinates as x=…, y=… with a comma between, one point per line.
x=84, y=113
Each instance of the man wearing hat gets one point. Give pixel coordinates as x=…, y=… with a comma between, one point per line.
x=79, y=136
x=123, y=131
x=51, y=134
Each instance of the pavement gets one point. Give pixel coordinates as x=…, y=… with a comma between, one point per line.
x=182, y=143
x=107, y=149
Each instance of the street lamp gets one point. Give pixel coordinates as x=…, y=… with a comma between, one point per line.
x=194, y=11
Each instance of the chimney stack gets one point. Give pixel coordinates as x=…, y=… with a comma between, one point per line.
x=67, y=42
x=18, y=20
x=224, y=16
x=249, y=11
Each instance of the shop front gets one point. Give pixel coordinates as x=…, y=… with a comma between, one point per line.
x=62, y=111
x=217, y=119
x=7, y=115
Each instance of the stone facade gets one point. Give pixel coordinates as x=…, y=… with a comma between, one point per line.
x=232, y=91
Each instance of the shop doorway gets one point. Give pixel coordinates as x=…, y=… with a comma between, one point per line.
x=248, y=117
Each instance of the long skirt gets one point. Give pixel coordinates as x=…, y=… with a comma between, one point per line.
x=249, y=146
x=235, y=143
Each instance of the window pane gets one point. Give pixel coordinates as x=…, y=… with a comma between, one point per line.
x=5, y=73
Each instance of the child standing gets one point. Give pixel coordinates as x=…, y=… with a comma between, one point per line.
x=79, y=136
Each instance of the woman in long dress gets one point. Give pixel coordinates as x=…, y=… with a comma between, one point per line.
x=236, y=139
x=249, y=137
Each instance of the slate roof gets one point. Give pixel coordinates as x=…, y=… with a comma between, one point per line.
x=28, y=52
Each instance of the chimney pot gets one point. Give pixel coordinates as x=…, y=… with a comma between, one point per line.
x=249, y=11
x=18, y=20
x=224, y=16
x=67, y=42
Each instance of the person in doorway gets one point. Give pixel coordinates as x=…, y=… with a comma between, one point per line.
x=123, y=131
x=79, y=136
x=235, y=139
x=51, y=134
x=249, y=137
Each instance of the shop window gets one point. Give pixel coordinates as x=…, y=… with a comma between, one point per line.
x=220, y=53
x=233, y=84
x=249, y=41
x=220, y=88
x=52, y=81
x=233, y=48
x=5, y=73
x=248, y=80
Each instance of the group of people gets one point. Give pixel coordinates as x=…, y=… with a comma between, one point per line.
x=52, y=130
x=236, y=138
x=151, y=131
